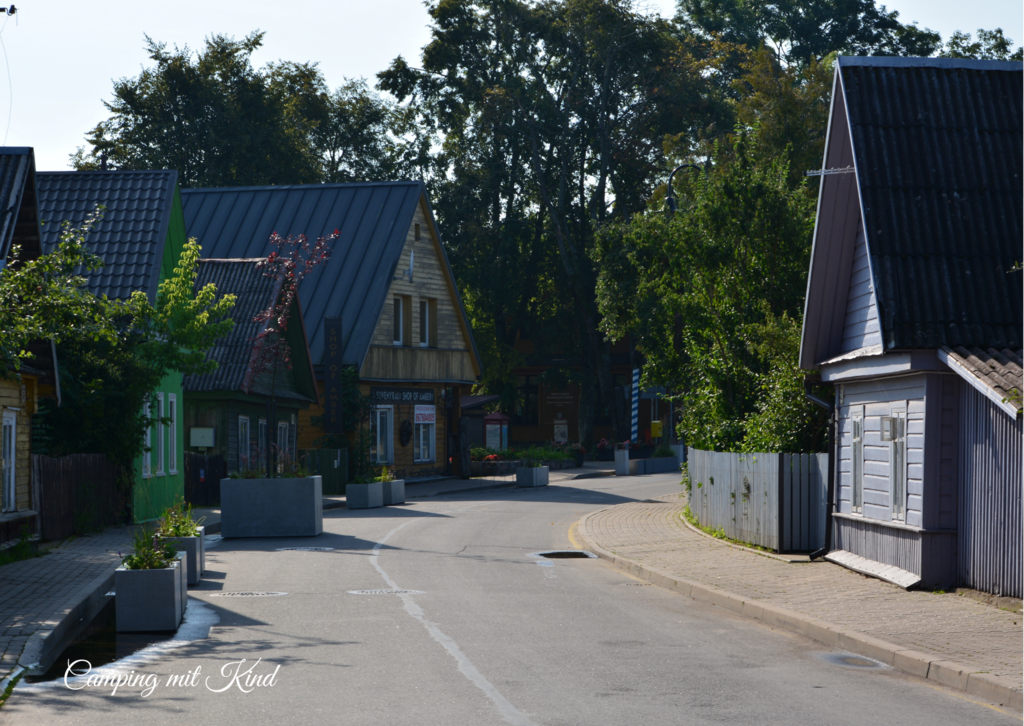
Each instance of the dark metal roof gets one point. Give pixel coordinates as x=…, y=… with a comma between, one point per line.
x=132, y=234
x=17, y=185
x=998, y=373
x=373, y=220
x=254, y=293
x=938, y=156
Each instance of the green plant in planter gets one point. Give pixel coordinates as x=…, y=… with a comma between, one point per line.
x=178, y=522
x=146, y=554
x=385, y=475
x=663, y=451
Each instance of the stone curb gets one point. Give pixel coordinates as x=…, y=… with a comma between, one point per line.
x=924, y=665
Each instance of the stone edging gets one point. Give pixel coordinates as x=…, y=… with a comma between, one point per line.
x=923, y=665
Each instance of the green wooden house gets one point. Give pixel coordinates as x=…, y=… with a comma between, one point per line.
x=226, y=410
x=140, y=240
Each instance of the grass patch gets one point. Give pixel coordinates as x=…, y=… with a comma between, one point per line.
x=718, y=533
x=10, y=688
x=23, y=550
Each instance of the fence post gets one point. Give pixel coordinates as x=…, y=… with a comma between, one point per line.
x=782, y=502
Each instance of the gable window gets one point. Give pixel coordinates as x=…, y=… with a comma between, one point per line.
x=244, y=451
x=402, y=320
x=857, y=465
x=159, y=427
x=172, y=433
x=147, y=456
x=381, y=435
x=8, y=455
x=399, y=328
x=417, y=231
x=428, y=323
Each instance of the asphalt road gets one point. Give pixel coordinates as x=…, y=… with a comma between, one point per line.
x=490, y=635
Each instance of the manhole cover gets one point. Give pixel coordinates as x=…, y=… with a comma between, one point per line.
x=305, y=549
x=385, y=592
x=848, y=660
x=565, y=555
x=247, y=594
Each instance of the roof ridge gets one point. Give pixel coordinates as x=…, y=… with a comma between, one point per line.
x=883, y=61
x=292, y=187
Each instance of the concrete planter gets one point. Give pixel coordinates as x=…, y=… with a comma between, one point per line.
x=622, y=467
x=659, y=465
x=366, y=496
x=534, y=476
x=148, y=601
x=271, y=507
x=394, y=492
x=183, y=581
x=195, y=552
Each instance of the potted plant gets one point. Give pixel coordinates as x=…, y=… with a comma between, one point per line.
x=577, y=452
x=149, y=586
x=532, y=475
x=393, y=489
x=605, y=451
x=288, y=503
x=188, y=536
x=368, y=494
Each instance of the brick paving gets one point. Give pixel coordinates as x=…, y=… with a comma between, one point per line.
x=36, y=593
x=981, y=637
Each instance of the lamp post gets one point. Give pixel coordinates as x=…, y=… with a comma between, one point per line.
x=670, y=197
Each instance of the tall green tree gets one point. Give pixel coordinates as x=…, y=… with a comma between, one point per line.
x=990, y=45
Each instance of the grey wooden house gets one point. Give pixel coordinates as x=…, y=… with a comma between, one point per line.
x=913, y=312
x=226, y=410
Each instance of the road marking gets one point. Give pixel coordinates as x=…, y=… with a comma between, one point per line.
x=572, y=537
x=508, y=712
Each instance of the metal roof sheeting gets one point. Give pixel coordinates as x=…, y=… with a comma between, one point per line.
x=131, y=236
x=373, y=220
x=939, y=158
x=996, y=373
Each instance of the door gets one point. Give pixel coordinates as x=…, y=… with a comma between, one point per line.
x=9, y=453
x=381, y=435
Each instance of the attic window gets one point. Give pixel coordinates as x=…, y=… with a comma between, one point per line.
x=417, y=227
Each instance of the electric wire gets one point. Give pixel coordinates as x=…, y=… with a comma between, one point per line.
x=10, y=86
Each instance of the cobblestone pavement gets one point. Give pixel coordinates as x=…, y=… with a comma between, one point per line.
x=981, y=637
x=36, y=593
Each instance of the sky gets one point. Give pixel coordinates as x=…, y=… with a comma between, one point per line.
x=62, y=57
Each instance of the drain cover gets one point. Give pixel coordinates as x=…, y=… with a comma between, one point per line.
x=305, y=549
x=385, y=592
x=247, y=594
x=565, y=555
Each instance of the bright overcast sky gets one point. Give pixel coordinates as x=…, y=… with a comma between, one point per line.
x=63, y=55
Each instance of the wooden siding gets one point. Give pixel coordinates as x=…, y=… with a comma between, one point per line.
x=20, y=394
x=886, y=544
x=860, y=329
x=396, y=364
x=404, y=464
x=430, y=281
x=990, y=450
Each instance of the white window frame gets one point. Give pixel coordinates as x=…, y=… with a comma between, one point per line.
x=383, y=434
x=424, y=435
x=857, y=463
x=147, y=454
x=283, y=429
x=424, y=322
x=172, y=434
x=9, y=458
x=261, y=443
x=898, y=465
x=398, y=313
x=243, y=425
x=159, y=426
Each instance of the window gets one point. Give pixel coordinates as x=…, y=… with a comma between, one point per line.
x=172, y=433
x=857, y=465
x=423, y=433
x=283, y=439
x=527, y=401
x=424, y=323
x=147, y=456
x=897, y=435
x=381, y=435
x=8, y=451
x=159, y=426
x=399, y=327
x=244, y=445
x=417, y=228
x=261, y=442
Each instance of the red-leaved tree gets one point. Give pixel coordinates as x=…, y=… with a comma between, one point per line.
x=292, y=259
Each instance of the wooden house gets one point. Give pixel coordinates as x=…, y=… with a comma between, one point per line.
x=21, y=390
x=913, y=312
x=140, y=239
x=226, y=410
x=388, y=283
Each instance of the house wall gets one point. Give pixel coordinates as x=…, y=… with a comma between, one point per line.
x=222, y=414
x=153, y=493
x=990, y=450
x=404, y=464
x=860, y=328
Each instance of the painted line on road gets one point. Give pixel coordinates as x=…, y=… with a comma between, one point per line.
x=508, y=712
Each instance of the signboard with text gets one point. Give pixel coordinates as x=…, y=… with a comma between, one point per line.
x=424, y=414
x=382, y=395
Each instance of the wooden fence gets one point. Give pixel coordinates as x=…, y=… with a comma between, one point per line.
x=776, y=501
x=79, y=493
x=202, y=479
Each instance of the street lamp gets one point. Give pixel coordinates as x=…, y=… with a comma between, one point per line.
x=670, y=198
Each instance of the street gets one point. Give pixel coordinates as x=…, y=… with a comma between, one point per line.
x=487, y=634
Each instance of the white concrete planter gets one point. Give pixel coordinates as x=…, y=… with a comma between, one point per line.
x=271, y=507
x=183, y=570
x=533, y=476
x=622, y=463
x=365, y=496
x=195, y=552
x=394, y=492
x=148, y=601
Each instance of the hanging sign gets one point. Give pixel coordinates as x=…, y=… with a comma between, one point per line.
x=424, y=414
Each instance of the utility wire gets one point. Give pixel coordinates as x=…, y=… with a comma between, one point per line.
x=10, y=86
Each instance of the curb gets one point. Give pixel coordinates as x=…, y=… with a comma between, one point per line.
x=924, y=665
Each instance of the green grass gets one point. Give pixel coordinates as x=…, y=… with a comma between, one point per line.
x=23, y=550
x=718, y=533
x=10, y=688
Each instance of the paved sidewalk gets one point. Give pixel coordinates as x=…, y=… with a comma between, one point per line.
x=945, y=637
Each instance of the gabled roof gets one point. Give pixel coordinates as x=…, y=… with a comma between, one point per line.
x=19, y=221
x=997, y=374
x=234, y=352
x=373, y=220
x=935, y=145
x=132, y=234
